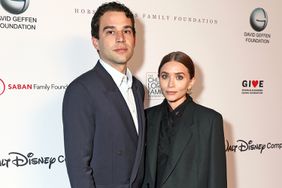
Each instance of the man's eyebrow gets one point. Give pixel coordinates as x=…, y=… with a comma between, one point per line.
x=108, y=27
x=128, y=26
x=113, y=27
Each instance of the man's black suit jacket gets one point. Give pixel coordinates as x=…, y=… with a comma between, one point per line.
x=102, y=147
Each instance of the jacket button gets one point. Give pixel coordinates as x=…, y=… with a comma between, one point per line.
x=119, y=152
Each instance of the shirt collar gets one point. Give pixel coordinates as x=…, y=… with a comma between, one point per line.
x=117, y=76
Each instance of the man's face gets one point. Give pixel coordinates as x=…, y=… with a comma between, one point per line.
x=116, y=39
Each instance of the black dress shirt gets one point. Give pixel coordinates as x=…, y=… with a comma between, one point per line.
x=167, y=135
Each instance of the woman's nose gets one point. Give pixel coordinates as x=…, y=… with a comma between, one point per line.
x=170, y=82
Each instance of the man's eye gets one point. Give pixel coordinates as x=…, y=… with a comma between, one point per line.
x=128, y=31
x=110, y=32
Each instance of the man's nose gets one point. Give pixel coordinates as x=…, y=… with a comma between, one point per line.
x=120, y=36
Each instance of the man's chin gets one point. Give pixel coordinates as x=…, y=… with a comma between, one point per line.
x=122, y=61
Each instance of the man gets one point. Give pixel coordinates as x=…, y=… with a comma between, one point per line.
x=103, y=109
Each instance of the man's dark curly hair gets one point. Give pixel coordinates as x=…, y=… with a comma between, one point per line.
x=106, y=7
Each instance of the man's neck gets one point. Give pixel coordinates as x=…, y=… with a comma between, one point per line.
x=119, y=67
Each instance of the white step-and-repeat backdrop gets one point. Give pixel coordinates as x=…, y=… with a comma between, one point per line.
x=236, y=46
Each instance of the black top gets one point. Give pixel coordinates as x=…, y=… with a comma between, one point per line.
x=167, y=135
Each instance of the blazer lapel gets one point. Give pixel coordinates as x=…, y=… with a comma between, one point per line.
x=141, y=129
x=139, y=106
x=182, y=138
x=153, y=130
x=114, y=96
x=116, y=99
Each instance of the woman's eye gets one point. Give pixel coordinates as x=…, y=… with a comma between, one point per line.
x=179, y=77
x=164, y=76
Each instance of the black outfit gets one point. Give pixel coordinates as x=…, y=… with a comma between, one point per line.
x=185, y=147
x=167, y=135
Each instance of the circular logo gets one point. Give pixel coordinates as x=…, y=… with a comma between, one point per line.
x=258, y=19
x=15, y=6
x=2, y=87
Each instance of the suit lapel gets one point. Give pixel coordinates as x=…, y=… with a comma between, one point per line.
x=141, y=122
x=115, y=98
x=182, y=138
x=139, y=106
x=153, y=126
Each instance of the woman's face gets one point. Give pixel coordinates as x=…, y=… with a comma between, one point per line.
x=175, y=82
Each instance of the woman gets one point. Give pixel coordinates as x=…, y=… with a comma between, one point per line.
x=185, y=141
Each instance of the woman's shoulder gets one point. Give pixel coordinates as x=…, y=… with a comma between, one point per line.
x=153, y=109
x=204, y=111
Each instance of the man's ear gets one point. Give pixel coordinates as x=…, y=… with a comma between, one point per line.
x=95, y=43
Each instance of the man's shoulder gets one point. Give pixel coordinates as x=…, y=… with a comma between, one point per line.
x=89, y=77
x=84, y=78
x=137, y=81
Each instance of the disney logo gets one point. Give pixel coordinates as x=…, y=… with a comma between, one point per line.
x=244, y=146
x=19, y=160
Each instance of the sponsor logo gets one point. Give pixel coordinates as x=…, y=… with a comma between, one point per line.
x=2, y=86
x=252, y=87
x=15, y=6
x=258, y=19
x=249, y=145
x=30, y=159
x=16, y=87
x=158, y=17
x=258, y=22
x=16, y=22
x=153, y=86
